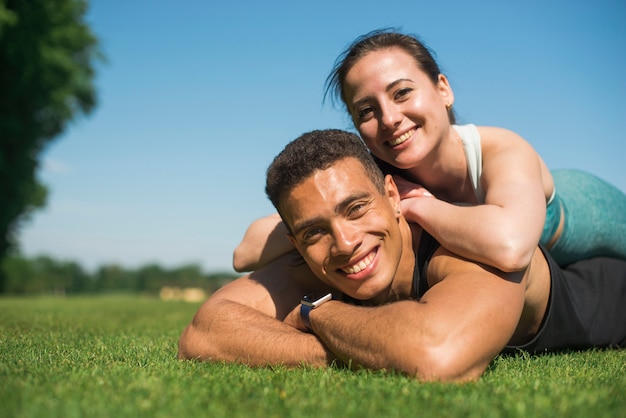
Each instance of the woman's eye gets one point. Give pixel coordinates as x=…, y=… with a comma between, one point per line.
x=403, y=93
x=364, y=113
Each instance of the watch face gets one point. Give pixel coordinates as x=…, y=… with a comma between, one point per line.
x=317, y=298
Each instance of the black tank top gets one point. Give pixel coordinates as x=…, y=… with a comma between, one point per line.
x=427, y=247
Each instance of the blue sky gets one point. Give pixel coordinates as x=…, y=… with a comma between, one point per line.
x=197, y=97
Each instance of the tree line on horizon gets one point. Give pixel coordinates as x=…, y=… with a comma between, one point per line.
x=44, y=275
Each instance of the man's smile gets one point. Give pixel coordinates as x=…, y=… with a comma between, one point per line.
x=362, y=264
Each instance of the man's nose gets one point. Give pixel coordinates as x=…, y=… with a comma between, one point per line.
x=346, y=238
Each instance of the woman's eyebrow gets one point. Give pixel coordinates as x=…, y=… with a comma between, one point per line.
x=389, y=87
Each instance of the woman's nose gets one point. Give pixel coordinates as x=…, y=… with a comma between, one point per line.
x=390, y=116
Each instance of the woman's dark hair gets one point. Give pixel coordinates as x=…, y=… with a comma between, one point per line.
x=374, y=41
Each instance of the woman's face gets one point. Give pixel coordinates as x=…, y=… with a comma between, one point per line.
x=399, y=112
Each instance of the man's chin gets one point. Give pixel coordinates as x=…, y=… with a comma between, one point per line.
x=365, y=295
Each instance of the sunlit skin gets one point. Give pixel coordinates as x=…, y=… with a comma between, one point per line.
x=350, y=234
x=356, y=242
x=402, y=117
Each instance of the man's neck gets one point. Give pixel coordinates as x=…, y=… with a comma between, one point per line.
x=402, y=286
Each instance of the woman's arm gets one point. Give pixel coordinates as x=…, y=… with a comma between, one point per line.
x=264, y=241
x=504, y=231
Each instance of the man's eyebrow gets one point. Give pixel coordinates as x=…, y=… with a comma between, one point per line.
x=340, y=207
x=302, y=225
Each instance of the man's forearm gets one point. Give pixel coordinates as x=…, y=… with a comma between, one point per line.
x=451, y=334
x=228, y=331
x=369, y=337
x=396, y=337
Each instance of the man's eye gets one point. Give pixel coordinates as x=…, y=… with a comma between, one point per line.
x=357, y=209
x=313, y=233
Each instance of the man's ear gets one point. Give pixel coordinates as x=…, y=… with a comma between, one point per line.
x=293, y=241
x=291, y=238
x=392, y=194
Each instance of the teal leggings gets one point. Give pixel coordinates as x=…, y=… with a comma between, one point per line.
x=595, y=218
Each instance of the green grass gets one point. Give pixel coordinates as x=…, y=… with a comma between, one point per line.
x=115, y=356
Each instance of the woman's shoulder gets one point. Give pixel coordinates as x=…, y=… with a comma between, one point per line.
x=496, y=132
x=493, y=136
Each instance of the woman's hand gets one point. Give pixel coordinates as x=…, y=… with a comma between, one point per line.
x=410, y=194
x=408, y=189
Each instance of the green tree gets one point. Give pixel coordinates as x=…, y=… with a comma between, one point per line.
x=113, y=278
x=19, y=274
x=44, y=275
x=47, y=58
x=150, y=278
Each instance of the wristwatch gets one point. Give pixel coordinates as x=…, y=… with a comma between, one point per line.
x=312, y=301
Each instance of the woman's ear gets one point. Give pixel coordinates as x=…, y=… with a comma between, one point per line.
x=445, y=91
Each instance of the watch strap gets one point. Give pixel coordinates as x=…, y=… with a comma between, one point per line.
x=305, y=310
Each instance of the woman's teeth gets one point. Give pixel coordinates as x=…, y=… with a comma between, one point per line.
x=402, y=138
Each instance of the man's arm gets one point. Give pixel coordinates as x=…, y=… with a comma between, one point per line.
x=242, y=321
x=452, y=333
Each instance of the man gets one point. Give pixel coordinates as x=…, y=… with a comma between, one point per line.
x=400, y=301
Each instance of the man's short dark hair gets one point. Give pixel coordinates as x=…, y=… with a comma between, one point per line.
x=312, y=151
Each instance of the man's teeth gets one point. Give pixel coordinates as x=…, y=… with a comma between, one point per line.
x=361, y=264
x=401, y=138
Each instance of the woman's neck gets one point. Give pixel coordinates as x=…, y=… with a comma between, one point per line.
x=445, y=174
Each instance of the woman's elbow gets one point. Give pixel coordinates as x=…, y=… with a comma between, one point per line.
x=242, y=262
x=513, y=256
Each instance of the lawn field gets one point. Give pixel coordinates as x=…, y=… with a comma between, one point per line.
x=115, y=356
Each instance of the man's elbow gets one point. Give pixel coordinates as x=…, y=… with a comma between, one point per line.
x=184, y=345
x=442, y=368
x=193, y=346
x=444, y=359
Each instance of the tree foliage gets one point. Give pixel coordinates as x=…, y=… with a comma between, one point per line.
x=46, y=275
x=47, y=58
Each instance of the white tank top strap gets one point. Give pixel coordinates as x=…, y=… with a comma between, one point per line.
x=470, y=137
x=552, y=195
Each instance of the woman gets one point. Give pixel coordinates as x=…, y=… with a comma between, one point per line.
x=495, y=197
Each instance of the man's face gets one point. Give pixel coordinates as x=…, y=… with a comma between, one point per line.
x=347, y=232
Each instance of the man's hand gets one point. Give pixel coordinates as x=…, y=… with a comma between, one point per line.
x=294, y=319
